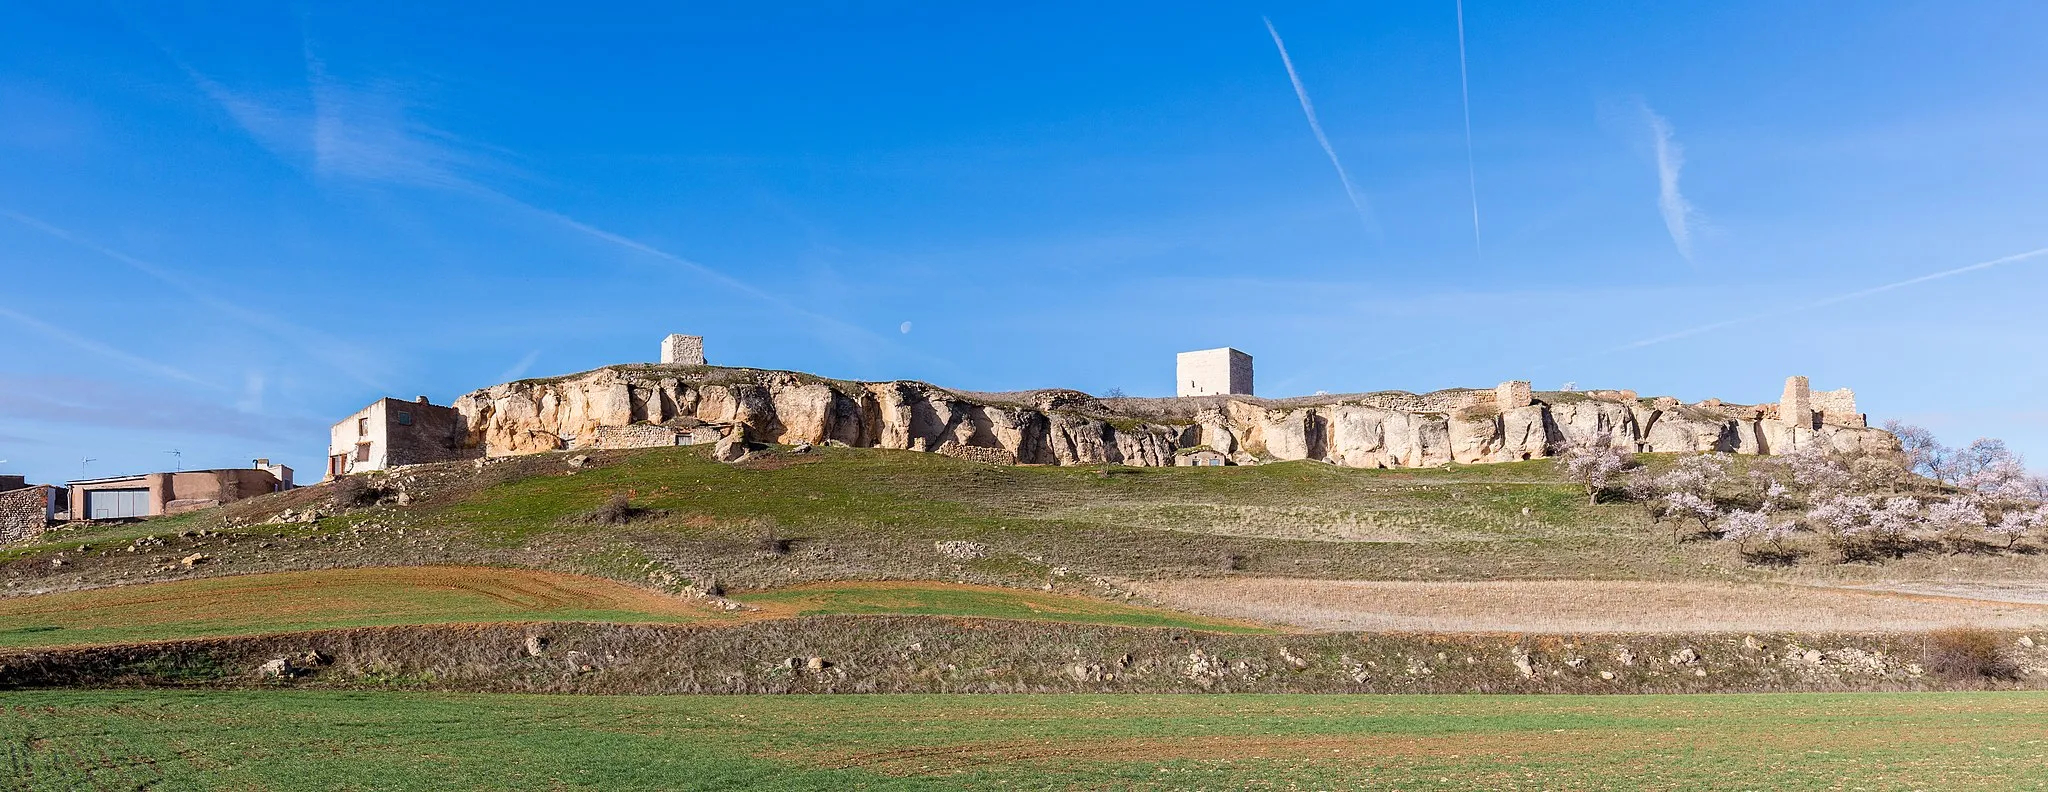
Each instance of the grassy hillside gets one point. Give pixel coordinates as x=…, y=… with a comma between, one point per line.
x=861, y=514
x=325, y=741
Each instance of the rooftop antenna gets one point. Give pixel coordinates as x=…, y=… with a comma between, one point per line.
x=180, y=455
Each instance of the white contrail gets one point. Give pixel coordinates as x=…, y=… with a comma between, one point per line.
x=1859, y=293
x=1678, y=213
x=100, y=349
x=1465, y=93
x=1309, y=109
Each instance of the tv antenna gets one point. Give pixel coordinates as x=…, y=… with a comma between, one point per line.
x=180, y=455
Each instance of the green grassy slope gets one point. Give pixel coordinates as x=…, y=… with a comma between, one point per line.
x=864, y=514
x=329, y=741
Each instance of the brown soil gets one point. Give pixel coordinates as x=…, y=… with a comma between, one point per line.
x=1579, y=606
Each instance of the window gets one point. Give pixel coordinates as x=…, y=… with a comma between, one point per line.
x=362, y=452
x=404, y=418
x=362, y=427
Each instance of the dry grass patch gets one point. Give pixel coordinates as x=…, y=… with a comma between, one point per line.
x=1579, y=606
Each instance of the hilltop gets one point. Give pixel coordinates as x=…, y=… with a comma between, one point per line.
x=661, y=404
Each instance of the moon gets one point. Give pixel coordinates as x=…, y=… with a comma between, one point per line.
x=903, y=328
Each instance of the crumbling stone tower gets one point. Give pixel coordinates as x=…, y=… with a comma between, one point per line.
x=1795, y=407
x=682, y=350
x=1511, y=395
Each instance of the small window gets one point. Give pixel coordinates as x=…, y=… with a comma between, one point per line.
x=362, y=427
x=362, y=452
x=404, y=418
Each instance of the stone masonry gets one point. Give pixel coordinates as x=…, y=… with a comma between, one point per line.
x=25, y=513
x=1213, y=372
x=682, y=350
x=1795, y=408
x=1838, y=407
x=1511, y=395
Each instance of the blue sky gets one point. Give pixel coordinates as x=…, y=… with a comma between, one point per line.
x=221, y=232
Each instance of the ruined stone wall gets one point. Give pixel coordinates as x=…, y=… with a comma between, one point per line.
x=25, y=513
x=635, y=436
x=1837, y=407
x=993, y=456
x=1443, y=401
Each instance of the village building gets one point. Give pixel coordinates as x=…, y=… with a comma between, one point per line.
x=158, y=494
x=1200, y=457
x=390, y=433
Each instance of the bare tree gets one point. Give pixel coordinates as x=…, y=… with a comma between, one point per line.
x=1925, y=455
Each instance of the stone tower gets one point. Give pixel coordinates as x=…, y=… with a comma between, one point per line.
x=1796, y=406
x=1213, y=372
x=1511, y=395
x=682, y=350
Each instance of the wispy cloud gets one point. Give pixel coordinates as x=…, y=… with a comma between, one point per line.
x=332, y=351
x=1308, y=109
x=1465, y=95
x=1839, y=298
x=103, y=350
x=130, y=406
x=520, y=368
x=368, y=134
x=1679, y=213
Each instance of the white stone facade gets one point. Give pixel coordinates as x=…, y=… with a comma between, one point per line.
x=682, y=350
x=1213, y=372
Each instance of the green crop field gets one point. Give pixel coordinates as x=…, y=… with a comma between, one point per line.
x=391, y=741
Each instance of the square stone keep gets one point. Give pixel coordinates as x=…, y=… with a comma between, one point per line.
x=1213, y=372
x=683, y=350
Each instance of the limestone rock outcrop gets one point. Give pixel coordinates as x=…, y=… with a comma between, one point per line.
x=1062, y=427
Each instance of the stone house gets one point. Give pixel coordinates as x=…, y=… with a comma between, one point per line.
x=390, y=433
x=1200, y=457
x=27, y=510
x=157, y=494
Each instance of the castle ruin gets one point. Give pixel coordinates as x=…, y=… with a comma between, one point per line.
x=1801, y=406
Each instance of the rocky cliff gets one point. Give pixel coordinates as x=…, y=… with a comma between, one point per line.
x=1063, y=427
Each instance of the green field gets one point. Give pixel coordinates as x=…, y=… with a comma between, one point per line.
x=941, y=599
x=380, y=596
x=390, y=741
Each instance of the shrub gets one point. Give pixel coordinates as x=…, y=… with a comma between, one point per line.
x=616, y=510
x=1967, y=653
x=355, y=492
x=772, y=543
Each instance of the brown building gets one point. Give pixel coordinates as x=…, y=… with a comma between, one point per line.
x=390, y=433
x=26, y=510
x=156, y=494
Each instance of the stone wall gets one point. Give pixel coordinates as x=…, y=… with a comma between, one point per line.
x=25, y=513
x=635, y=436
x=993, y=456
x=1838, y=407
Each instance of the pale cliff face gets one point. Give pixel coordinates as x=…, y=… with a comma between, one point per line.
x=1068, y=428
